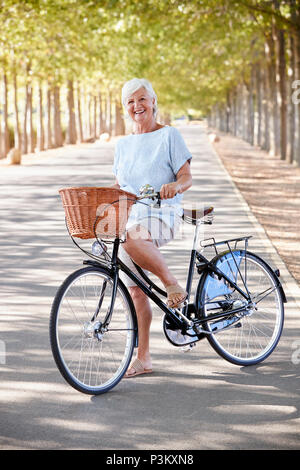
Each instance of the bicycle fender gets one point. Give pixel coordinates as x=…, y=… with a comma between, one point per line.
x=276, y=274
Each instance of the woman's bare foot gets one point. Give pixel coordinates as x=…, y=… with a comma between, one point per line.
x=176, y=295
x=138, y=367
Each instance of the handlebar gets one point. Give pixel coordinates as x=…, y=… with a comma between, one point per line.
x=150, y=196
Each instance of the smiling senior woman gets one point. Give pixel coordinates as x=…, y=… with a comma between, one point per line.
x=157, y=155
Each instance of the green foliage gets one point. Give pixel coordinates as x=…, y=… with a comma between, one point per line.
x=192, y=50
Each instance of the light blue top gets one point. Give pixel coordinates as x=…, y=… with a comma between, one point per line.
x=151, y=158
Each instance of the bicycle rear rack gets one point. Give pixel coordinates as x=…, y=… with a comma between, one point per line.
x=225, y=242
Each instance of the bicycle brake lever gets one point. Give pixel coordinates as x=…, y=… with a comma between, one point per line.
x=157, y=204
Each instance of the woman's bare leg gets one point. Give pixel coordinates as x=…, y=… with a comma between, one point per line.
x=144, y=318
x=141, y=249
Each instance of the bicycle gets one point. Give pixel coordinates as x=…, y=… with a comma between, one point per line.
x=238, y=307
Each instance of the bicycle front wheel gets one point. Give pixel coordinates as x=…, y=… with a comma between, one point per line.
x=249, y=336
x=91, y=355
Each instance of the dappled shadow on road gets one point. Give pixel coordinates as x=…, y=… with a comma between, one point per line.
x=271, y=188
x=190, y=401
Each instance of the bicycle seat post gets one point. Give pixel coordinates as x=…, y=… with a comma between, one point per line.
x=196, y=235
x=192, y=263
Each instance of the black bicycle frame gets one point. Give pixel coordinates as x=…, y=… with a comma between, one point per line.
x=180, y=318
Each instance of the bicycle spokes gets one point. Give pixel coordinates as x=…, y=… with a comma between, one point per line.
x=243, y=330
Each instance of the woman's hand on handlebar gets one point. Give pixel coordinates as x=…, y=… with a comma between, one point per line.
x=168, y=191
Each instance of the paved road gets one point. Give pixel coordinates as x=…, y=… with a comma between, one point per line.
x=192, y=401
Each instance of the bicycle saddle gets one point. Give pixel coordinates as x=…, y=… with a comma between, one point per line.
x=193, y=215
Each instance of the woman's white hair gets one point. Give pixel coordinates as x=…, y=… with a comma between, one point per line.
x=135, y=84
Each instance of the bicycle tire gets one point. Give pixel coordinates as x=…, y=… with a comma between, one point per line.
x=252, y=338
x=90, y=360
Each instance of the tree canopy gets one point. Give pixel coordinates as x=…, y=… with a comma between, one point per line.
x=192, y=50
x=195, y=52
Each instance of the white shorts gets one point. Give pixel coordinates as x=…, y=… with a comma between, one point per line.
x=160, y=233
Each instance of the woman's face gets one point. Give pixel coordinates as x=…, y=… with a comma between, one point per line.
x=139, y=106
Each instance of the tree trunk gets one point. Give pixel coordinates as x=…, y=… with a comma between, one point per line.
x=48, y=137
x=266, y=111
x=95, y=118
x=120, y=126
x=17, y=132
x=167, y=118
x=71, y=132
x=291, y=140
x=101, y=115
x=292, y=75
x=40, y=122
x=234, y=112
x=6, y=143
x=244, y=112
x=275, y=53
x=273, y=102
x=1, y=139
x=84, y=113
x=109, y=113
x=250, y=128
x=282, y=88
x=89, y=121
x=228, y=112
x=297, y=103
x=79, y=114
x=58, y=135
x=239, y=108
x=30, y=117
x=25, y=136
x=258, y=121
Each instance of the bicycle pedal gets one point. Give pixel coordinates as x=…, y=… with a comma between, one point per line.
x=188, y=347
x=182, y=305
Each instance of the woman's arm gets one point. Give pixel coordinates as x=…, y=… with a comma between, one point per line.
x=182, y=183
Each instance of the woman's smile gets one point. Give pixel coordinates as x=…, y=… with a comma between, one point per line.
x=140, y=108
x=140, y=112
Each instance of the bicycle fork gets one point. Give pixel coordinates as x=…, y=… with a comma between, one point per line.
x=103, y=325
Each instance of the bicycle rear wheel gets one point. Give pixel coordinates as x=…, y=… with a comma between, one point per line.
x=252, y=334
x=91, y=356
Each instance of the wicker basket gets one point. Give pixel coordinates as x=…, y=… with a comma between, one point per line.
x=101, y=210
